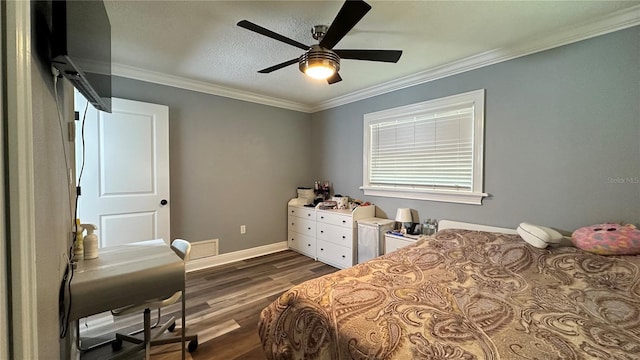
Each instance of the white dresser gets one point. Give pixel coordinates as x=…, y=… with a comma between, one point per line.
x=330, y=236
x=302, y=230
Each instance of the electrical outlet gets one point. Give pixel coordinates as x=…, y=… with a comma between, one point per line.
x=243, y=229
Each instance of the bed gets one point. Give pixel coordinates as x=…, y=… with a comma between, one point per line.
x=463, y=294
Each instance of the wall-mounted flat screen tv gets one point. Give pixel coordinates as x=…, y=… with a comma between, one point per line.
x=81, y=48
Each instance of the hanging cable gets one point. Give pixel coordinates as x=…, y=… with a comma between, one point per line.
x=73, y=212
x=62, y=137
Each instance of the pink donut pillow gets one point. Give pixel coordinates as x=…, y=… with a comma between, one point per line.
x=608, y=239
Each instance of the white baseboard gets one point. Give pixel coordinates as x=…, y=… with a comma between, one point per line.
x=212, y=261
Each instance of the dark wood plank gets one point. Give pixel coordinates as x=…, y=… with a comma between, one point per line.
x=223, y=307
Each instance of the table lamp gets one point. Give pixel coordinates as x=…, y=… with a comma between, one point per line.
x=403, y=215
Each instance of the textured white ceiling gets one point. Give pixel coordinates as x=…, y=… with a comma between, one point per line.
x=199, y=40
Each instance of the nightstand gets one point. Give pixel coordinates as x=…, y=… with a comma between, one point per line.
x=394, y=242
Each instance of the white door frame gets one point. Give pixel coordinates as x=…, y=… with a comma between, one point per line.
x=4, y=282
x=22, y=240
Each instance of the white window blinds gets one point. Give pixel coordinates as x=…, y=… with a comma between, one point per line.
x=430, y=151
x=433, y=149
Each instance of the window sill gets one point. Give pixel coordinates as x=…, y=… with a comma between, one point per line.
x=451, y=196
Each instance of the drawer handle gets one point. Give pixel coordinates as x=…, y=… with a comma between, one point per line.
x=344, y=237
x=308, y=228
x=308, y=214
x=308, y=244
x=344, y=221
x=321, y=231
x=292, y=223
x=321, y=217
x=321, y=249
x=344, y=256
x=293, y=211
x=292, y=239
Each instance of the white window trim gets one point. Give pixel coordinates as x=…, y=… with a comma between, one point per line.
x=475, y=195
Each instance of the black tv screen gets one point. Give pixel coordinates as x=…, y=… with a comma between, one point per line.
x=81, y=48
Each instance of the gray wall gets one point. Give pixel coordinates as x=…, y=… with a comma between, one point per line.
x=53, y=193
x=231, y=163
x=562, y=137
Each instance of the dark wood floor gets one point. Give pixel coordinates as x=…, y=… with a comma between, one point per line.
x=223, y=307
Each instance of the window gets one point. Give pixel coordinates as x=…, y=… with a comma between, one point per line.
x=429, y=151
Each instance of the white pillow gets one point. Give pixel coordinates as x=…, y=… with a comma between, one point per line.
x=538, y=236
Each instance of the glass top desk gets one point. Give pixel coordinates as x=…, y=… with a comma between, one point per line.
x=125, y=275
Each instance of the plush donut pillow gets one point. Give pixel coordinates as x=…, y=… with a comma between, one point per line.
x=608, y=239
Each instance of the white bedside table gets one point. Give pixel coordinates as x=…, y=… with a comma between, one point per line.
x=394, y=242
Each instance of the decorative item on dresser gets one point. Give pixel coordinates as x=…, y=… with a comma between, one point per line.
x=403, y=216
x=327, y=235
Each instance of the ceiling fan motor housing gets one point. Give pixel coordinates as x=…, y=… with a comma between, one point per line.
x=318, y=31
x=319, y=56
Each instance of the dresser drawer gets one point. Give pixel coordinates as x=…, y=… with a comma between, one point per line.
x=302, y=243
x=339, y=256
x=335, y=219
x=306, y=213
x=302, y=226
x=393, y=243
x=336, y=234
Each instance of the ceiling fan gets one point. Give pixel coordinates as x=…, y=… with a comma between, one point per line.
x=320, y=60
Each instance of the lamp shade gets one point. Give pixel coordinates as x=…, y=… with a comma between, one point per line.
x=404, y=215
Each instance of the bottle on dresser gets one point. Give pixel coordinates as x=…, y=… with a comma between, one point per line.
x=430, y=227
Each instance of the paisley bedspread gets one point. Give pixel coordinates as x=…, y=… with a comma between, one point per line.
x=463, y=295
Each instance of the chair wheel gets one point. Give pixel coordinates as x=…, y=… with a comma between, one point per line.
x=193, y=345
x=172, y=327
x=116, y=345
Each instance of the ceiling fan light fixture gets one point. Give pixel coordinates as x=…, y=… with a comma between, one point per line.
x=320, y=71
x=319, y=63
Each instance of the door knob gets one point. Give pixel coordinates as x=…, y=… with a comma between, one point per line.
x=163, y=202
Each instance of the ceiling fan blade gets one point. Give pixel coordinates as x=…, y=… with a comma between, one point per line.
x=279, y=66
x=334, y=78
x=266, y=32
x=371, y=55
x=350, y=14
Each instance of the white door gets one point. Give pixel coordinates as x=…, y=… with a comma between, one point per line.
x=125, y=181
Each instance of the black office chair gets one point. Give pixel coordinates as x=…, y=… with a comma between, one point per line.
x=183, y=249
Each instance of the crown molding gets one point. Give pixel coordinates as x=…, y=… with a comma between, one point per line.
x=203, y=87
x=615, y=21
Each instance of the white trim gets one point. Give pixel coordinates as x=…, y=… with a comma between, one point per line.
x=615, y=21
x=21, y=181
x=203, y=87
x=458, y=197
x=222, y=259
x=4, y=280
